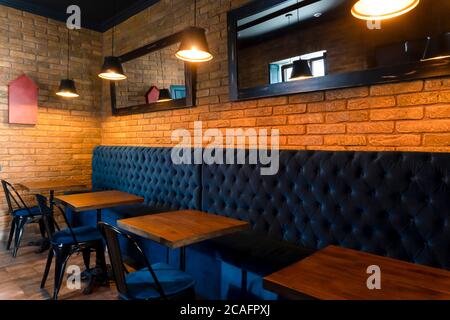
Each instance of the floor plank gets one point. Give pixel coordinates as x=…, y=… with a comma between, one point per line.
x=20, y=278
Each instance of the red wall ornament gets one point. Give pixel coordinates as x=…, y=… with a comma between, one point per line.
x=23, y=101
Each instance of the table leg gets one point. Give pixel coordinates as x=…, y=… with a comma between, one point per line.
x=99, y=215
x=99, y=275
x=183, y=258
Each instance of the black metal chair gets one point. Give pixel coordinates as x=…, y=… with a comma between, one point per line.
x=66, y=242
x=154, y=282
x=21, y=215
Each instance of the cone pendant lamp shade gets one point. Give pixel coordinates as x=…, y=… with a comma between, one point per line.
x=67, y=89
x=194, y=46
x=164, y=95
x=112, y=69
x=382, y=9
x=301, y=70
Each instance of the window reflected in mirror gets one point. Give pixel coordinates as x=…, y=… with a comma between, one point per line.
x=299, y=40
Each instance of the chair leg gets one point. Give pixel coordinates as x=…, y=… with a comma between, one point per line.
x=11, y=233
x=42, y=228
x=47, y=267
x=61, y=255
x=87, y=258
x=101, y=261
x=20, y=226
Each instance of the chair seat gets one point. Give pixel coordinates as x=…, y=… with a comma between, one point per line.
x=25, y=213
x=83, y=234
x=141, y=285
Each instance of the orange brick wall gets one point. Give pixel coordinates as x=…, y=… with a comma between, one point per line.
x=60, y=145
x=410, y=116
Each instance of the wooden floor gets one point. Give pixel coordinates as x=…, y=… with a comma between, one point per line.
x=20, y=278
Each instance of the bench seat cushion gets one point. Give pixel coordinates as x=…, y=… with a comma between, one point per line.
x=257, y=253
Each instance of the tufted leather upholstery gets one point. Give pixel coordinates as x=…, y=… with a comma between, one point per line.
x=149, y=173
x=391, y=204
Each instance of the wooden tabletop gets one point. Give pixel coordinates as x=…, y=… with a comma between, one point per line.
x=181, y=228
x=341, y=274
x=98, y=200
x=51, y=185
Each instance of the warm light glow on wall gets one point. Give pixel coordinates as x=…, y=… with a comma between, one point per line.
x=382, y=9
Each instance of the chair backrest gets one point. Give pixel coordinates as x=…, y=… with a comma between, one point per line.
x=111, y=235
x=13, y=198
x=49, y=220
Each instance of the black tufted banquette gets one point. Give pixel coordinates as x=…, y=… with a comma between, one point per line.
x=391, y=204
x=149, y=173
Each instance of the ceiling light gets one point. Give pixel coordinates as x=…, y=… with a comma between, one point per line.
x=194, y=46
x=437, y=47
x=382, y=9
x=164, y=95
x=112, y=69
x=67, y=89
x=301, y=70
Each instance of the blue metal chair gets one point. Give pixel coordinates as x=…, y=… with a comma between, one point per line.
x=66, y=242
x=154, y=282
x=21, y=215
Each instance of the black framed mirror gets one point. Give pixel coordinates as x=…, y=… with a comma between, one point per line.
x=156, y=79
x=279, y=47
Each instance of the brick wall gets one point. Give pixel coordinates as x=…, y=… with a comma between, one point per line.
x=410, y=116
x=60, y=145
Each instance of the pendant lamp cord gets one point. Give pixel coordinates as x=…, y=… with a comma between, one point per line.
x=68, y=53
x=114, y=29
x=162, y=69
x=195, y=13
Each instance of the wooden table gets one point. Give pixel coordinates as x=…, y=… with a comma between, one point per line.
x=341, y=274
x=179, y=229
x=98, y=201
x=50, y=186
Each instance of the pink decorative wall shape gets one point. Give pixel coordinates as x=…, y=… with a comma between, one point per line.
x=23, y=101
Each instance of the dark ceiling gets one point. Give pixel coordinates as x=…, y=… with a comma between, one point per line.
x=99, y=15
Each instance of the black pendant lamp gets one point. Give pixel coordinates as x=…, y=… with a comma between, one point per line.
x=67, y=88
x=301, y=70
x=438, y=47
x=438, y=43
x=164, y=94
x=112, y=67
x=194, y=46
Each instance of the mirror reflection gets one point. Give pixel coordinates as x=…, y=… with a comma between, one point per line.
x=300, y=40
x=156, y=77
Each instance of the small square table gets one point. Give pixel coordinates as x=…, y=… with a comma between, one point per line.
x=50, y=186
x=179, y=229
x=336, y=273
x=98, y=201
